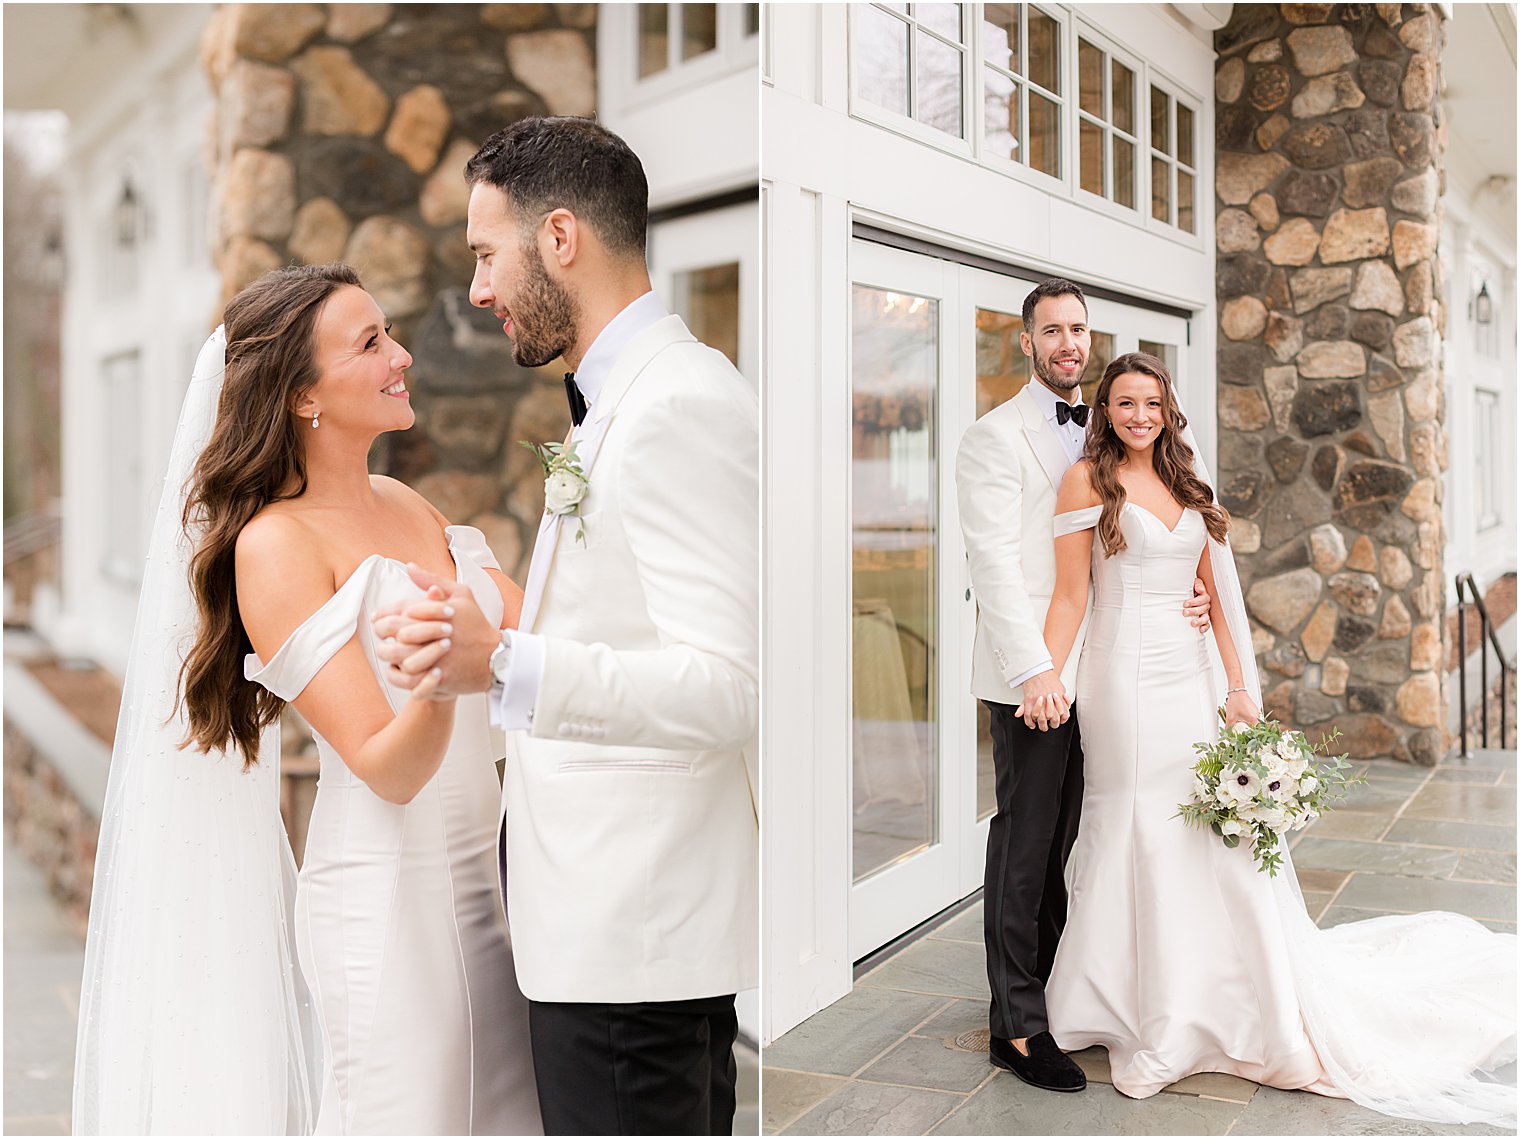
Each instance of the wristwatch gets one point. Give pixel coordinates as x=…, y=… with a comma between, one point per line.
x=501, y=661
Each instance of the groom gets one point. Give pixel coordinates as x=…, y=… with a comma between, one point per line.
x=1007, y=474
x=630, y=688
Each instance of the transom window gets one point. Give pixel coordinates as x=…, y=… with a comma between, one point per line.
x=910, y=59
x=922, y=69
x=1174, y=162
x=1021, y=85
x=1107, y=131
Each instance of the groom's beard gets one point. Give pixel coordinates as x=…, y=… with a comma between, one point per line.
x=1052, y=378
x=544, y=316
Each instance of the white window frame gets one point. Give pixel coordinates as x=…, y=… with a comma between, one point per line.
x=1178, y=95
x=1140, y=137
x=124, y=461
x=907, y=125
x=975, y=148
x=1488, y=459
x=1065, y=57
x=736, y=50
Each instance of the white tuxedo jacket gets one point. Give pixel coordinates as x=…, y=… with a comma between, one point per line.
x=1007, y=474
x=630, y=820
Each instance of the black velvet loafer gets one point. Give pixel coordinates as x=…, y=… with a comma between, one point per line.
x=1046, y=1066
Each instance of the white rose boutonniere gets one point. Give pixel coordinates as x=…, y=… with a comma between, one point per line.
x=565, y=483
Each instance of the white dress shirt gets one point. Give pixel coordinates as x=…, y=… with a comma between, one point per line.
x=512, y=702
x=1072, y=436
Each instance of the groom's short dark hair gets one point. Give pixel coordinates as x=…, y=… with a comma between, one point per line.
x=547, y=163
x=1050, y=287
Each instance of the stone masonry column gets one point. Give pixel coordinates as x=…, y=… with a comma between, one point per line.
x=1329, y=178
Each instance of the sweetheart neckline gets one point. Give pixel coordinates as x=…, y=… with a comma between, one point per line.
x=1186, y=510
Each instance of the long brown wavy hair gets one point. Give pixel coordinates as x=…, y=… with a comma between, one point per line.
x=254, y=457
x=1172, y=457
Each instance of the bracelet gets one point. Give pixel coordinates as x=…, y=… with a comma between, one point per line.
x=1232, y=692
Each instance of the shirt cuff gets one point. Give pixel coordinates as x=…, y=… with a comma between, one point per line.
x=512, y=704
x=1023, y=676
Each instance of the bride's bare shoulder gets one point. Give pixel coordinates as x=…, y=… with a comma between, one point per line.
x=278, y=546
x=402, y=496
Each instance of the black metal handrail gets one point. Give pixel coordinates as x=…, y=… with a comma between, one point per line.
x=1466, y=583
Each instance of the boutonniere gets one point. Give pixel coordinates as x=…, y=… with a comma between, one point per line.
x=565, y=483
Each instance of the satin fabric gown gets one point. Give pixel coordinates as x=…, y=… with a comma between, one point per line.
x=399, y=922
x=1179, y=956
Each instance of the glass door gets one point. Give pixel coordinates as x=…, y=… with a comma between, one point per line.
x=904, y=675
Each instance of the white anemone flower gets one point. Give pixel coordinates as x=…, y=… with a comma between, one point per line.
x=1237, y=785
x=1281, y=788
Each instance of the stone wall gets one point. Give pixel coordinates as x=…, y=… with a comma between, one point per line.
x=1329, y=178
x=341, y=133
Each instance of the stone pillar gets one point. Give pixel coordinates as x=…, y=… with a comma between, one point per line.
x=1329, y=177
x=340, y=134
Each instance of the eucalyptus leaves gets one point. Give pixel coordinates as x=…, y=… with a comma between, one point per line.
x=1261, y=782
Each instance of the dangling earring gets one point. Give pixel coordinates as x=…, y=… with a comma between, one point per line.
x=314, y=421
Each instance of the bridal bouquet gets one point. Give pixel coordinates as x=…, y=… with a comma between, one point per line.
x=1261, y=781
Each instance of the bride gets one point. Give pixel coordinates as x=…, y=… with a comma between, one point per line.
x=377, y=997
x=1178, y=955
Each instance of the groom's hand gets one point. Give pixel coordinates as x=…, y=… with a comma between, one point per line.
x=1045, y=705
x=1197, y=607
x=445, y=635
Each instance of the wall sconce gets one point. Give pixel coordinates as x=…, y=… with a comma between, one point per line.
x=127, y=216
x=1483, y=306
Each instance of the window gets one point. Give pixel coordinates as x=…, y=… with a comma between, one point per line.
x=910, y=59
x=126, y=537
x=1021, y=85
x=1488, y=459
x=651, y=51
x=1174, y=161
x=1107, y=134
x=671, y=34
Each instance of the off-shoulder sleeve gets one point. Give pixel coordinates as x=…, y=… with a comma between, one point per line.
x=1074, y=520
x=469, y=542
x=315, y=639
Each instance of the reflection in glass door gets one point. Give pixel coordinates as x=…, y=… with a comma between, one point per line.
x=894, y=481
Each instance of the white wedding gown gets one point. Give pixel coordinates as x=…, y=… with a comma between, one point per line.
x=1179, y=956
x=399, y=923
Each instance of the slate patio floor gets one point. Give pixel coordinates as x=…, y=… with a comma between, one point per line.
x=884, y=1060
x=44, y=960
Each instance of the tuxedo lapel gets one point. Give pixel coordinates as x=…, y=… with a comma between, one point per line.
x=1042, y=439
x=588, y=439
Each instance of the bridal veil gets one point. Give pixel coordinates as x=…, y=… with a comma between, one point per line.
x=193, y=1018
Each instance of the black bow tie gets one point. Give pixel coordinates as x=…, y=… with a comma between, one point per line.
x=1065, y=411
x=577, y=401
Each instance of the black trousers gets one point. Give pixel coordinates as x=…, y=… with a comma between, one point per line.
x=1039, y=801
x=661, y=1068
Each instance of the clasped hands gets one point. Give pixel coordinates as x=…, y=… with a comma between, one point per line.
x=439, y=647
